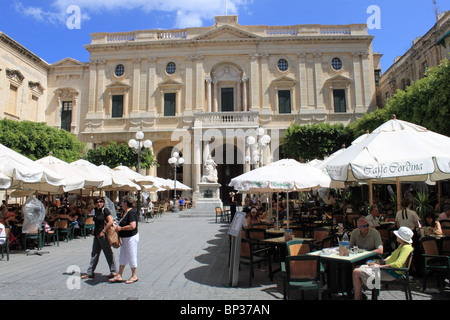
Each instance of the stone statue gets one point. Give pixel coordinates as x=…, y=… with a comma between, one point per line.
x=210, y=171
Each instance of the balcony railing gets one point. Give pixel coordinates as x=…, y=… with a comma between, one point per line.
x=231, y=118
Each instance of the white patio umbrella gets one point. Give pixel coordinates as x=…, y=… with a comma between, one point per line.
x=285, y=175
x=73, y=179
x=180, y=186
x=95, y=178
x=396, y=151
x=20, y=172
x=282, y=176
x=134, y=176
x=119, y=180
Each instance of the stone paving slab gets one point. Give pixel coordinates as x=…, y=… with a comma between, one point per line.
x=179, y=259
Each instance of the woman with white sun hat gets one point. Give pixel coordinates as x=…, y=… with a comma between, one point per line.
x=397, y=259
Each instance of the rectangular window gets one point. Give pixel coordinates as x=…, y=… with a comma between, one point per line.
x=227, y=99
x=66, y=115
x=35, y=107
x=377, y=77
x=117, y=106
x=339, y=100
x=12, y=105
x=169, y=104
x=284, y=101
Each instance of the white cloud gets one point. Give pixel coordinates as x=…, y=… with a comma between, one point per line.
x=188, y=13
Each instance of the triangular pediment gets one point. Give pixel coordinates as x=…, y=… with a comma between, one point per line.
x=284, y=80
x=68, y=62
x=339, y=78
x=170, y=84
x=226, y=32
x=118, y=84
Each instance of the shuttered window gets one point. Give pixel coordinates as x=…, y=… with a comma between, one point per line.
x=339, y=100
x=284, y=101
x=169, y=104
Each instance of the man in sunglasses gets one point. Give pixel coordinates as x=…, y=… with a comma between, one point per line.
x=366, y=238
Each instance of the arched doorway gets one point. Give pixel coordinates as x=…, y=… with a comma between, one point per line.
x=227, y=170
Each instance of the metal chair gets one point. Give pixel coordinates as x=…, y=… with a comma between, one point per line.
x=434, y=261
x=250, y=255
x=303, y=273
x=298, y=247
x=404, y=277
x=88, y=225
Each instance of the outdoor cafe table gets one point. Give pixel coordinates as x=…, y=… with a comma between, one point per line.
x=272, y=232
x=340, y=268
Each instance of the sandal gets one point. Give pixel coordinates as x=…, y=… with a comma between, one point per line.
x=115, y=279
x=131, y=280
x=87, y=276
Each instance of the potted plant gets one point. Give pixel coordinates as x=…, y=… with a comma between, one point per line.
x=422, y=204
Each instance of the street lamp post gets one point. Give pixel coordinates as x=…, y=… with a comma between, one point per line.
x=136, y=145
x=176, y=161
x=261, y=141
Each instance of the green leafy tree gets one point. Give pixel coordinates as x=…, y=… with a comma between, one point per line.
x=426, y=102
x=36, y=140
x=115, y=155
x=369, y=122
x=305, y=143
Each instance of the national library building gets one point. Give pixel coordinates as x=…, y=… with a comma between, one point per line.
x=201, y=91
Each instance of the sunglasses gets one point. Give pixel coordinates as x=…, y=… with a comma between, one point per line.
x=99, y=201
x=364, y=226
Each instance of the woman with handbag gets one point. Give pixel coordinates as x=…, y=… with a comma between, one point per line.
x=128, y=232
x=103, y=221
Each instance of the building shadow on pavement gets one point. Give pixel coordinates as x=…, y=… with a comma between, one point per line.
x=214, y=271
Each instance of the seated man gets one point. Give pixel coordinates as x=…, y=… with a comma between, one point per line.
x=366, y=238
x=374, y=217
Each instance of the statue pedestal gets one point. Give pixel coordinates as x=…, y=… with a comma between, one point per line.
x=208, y=199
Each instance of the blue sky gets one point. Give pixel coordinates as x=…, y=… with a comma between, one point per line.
x=41, y=26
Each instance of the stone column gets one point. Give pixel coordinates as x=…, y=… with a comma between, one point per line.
x=136, y=86
x=310, y=81
x=357, y=82
x=318, y=79
x=209, y=97
x=101, y=65
x=151, y=107
x=244, y=95
x=238, y=95
x=189, y=81
x=143, y=86
x=265, y=82
x=216, y=96
x=92, y=87
x=303, y=80
x=199, y=84
x=368, y=82
x=254, y=82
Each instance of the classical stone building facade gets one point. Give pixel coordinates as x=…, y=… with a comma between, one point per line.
x=426, y=51
x=204, y=90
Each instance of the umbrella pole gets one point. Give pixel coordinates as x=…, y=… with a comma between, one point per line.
x=399, y=194
x=287, y=209
x=278, y=205
x=439, y=195
x=370, y=192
